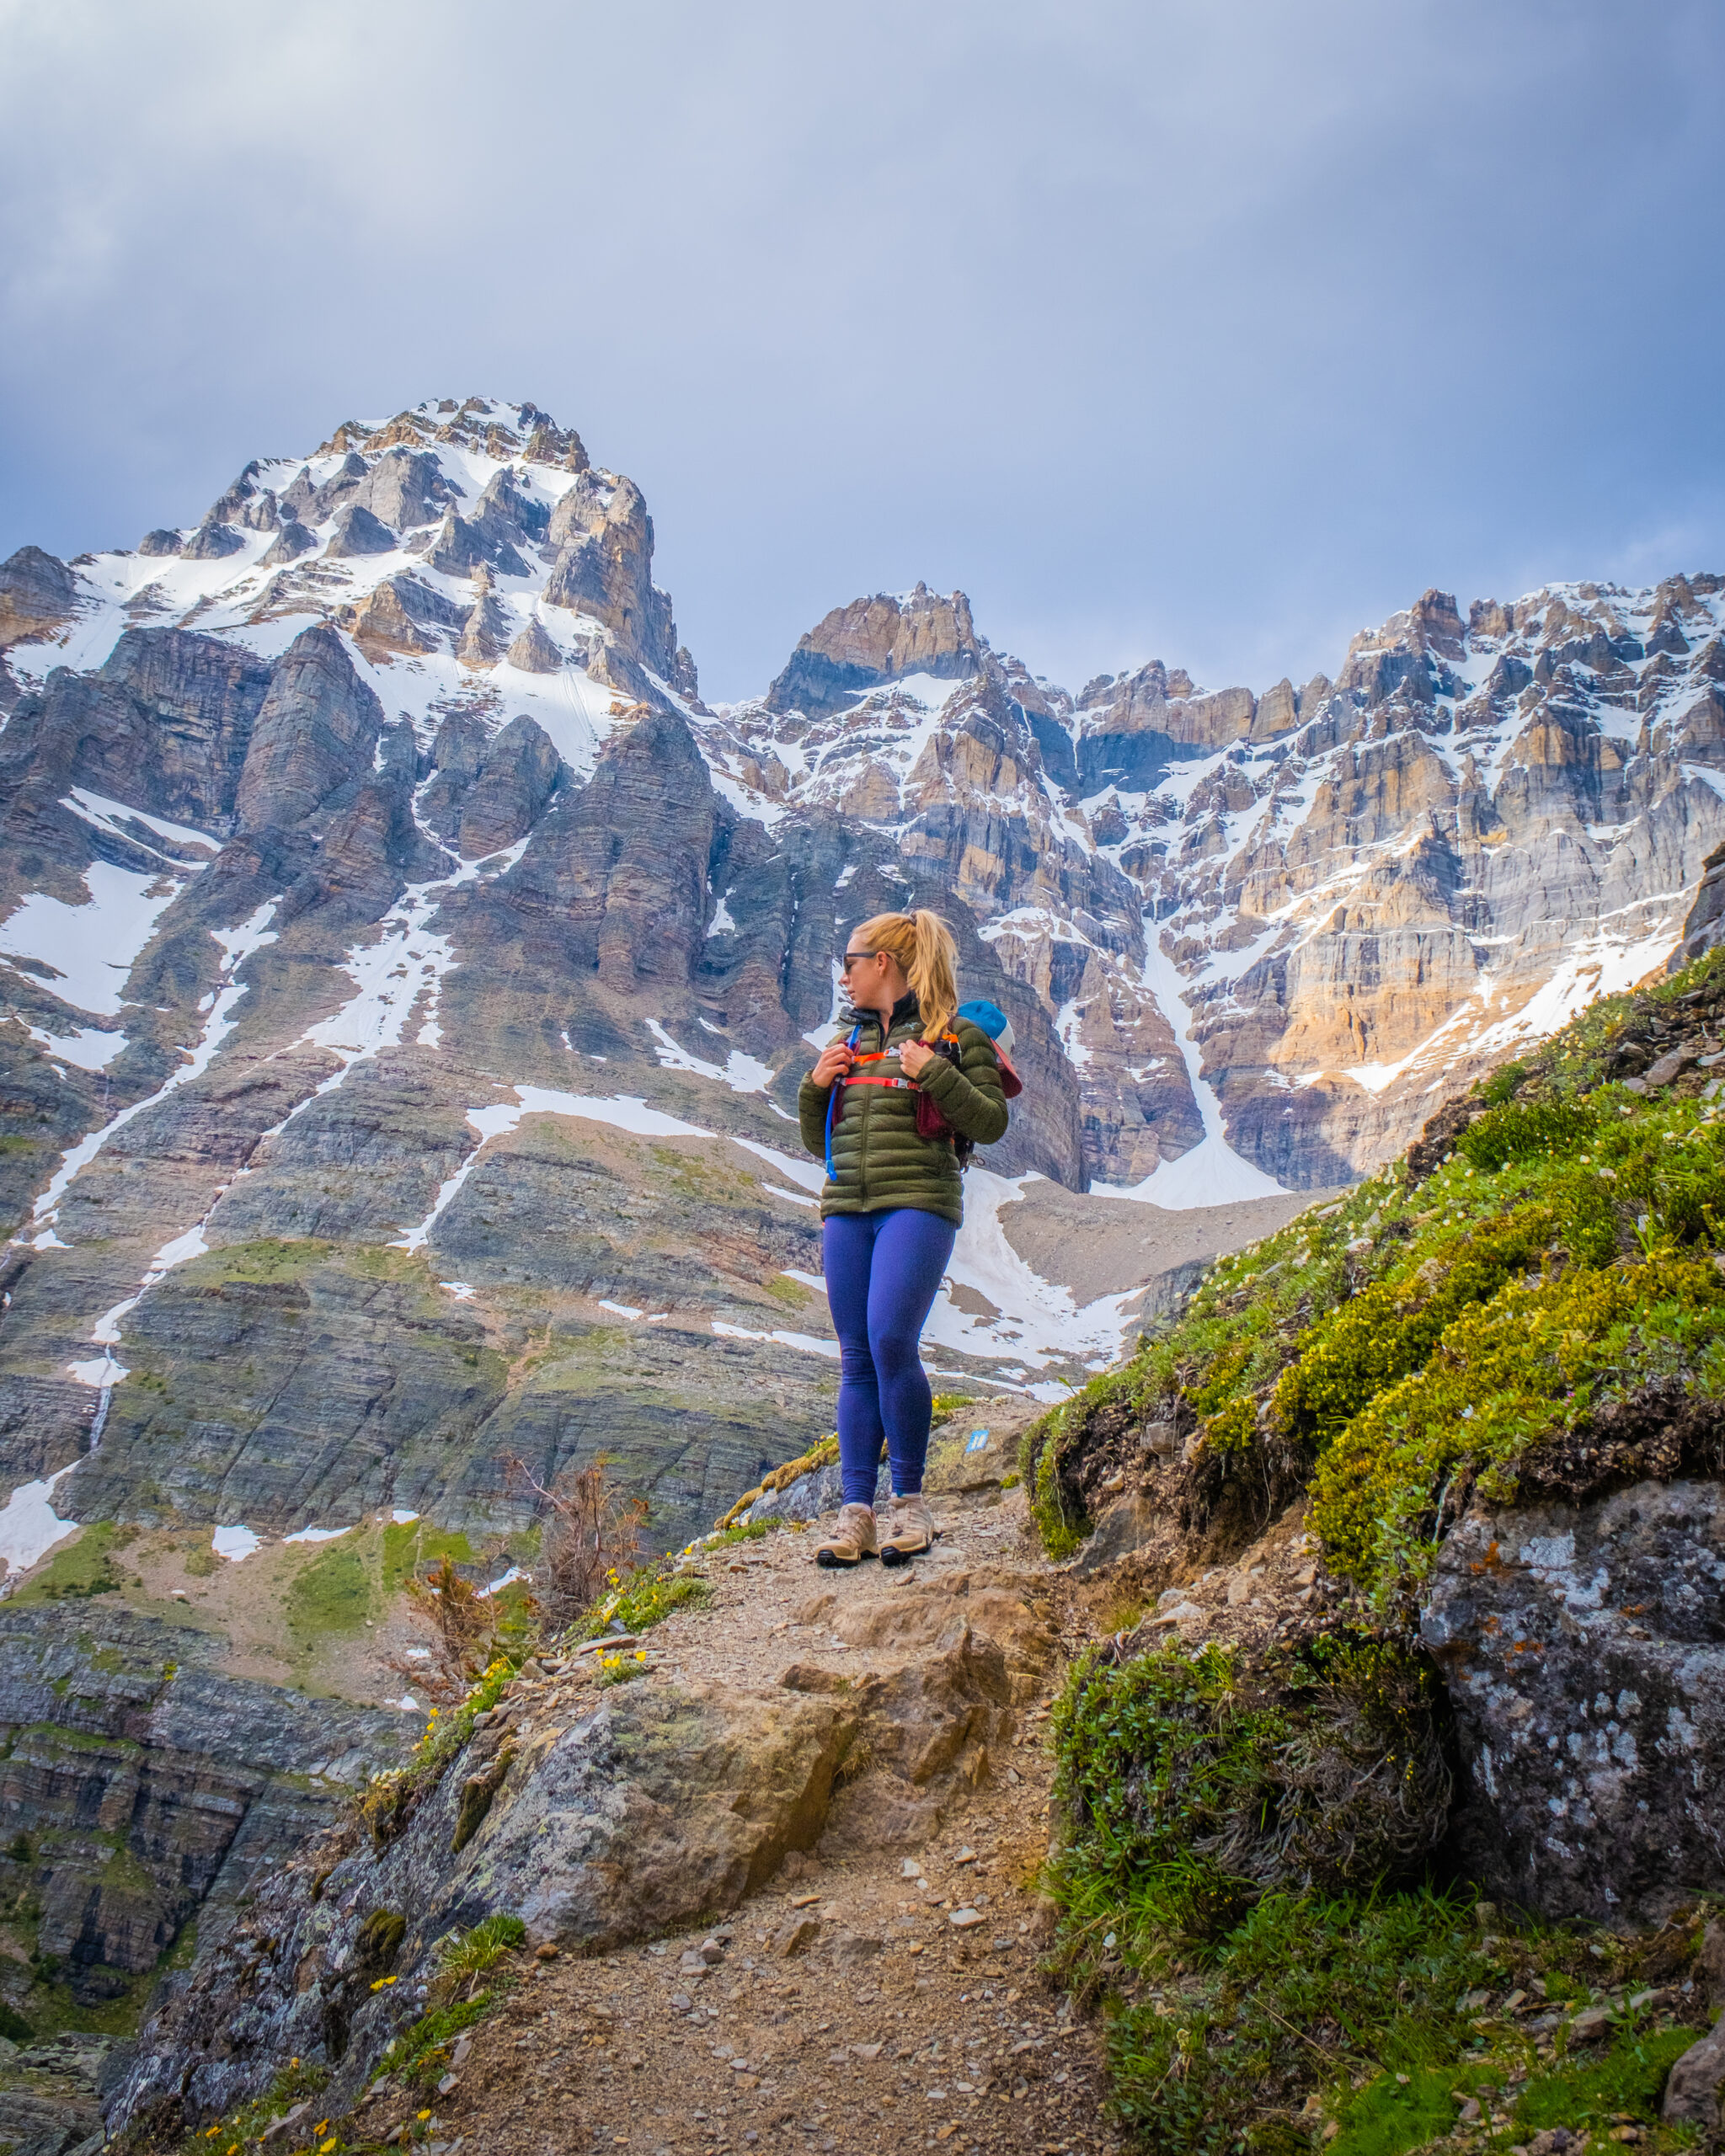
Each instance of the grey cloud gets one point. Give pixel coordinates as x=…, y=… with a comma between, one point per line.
x=1212, y=330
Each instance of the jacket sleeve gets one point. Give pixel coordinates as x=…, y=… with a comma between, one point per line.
x=968, y=1094
x=811, y=1116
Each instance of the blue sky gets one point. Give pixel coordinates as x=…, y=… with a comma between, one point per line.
x=1207, y=331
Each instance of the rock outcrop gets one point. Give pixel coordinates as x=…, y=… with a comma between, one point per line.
x=315, y=729
x=1583, y=1652
x=852, y=1724
x=38, y=594
x=872, y=641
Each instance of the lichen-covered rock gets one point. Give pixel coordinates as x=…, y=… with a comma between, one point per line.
x=1583, y=1647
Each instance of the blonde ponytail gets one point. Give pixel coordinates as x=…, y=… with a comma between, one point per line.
x=922, y=945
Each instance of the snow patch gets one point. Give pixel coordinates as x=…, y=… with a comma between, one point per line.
x=30, y=1527
x=87, y=1046
x=743, y=1074
x=1212, y=1173
x=90, y=949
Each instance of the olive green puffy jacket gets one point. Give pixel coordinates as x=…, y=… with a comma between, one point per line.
x=881, y=1161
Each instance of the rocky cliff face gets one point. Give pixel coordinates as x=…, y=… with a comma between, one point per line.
x=142, y=1785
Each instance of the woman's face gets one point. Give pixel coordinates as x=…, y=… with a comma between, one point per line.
x=873, y=980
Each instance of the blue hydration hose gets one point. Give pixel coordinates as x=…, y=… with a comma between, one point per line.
x=832, y=1101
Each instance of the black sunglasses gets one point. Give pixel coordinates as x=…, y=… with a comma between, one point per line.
x=854, y=957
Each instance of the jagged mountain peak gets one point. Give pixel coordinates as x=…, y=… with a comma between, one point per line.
x=874, y=640
x=470, y=553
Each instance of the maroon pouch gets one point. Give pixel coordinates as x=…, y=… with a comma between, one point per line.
x=930, y=1122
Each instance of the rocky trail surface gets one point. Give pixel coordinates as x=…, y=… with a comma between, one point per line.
x=863, y=1992
x=819, y=1921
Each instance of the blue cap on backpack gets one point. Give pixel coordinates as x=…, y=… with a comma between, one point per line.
x=988, y=1018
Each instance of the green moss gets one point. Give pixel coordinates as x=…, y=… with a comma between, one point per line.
x=791, y=1293
x=1533, y=1362
x=1628, y=2080
x=1061, y=1523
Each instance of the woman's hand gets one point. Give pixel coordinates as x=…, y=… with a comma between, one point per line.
x=914, y=1058
x=831, y=1065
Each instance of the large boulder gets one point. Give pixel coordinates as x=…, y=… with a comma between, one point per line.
x=1583, y=1647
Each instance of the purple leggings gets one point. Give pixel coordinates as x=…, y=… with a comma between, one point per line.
x=882, y=1270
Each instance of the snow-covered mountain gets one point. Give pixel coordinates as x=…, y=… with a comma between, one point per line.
x=404, y=966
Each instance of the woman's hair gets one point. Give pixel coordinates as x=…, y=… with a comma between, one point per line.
x=923, y=945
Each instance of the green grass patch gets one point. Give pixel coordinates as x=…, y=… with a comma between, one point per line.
x=330, y=1596
x=464, y=1954
x=82, y=1567
x=1397, y=2112
x=647, y=1598
x=728, y=1538
x=409, y=1546
x=419, y=2056
x=269, y=1259
x=1302, y=1992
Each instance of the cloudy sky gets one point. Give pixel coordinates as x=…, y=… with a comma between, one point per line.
x=1209, y=329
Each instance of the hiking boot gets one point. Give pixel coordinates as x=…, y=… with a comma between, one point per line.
x=852, y=1539
x=909, y=1531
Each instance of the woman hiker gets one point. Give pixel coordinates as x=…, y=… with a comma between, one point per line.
x=892, y=1204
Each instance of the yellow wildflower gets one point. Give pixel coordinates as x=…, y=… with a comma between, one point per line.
x=425, y=2115
x=640, y=1654
x=381, y=1982
x=330, y=2144
x=322, y=2126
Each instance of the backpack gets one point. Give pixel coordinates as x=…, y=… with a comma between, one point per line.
x=987, y=1018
